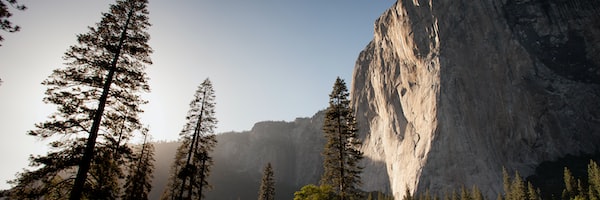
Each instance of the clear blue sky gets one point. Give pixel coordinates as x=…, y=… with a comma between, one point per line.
x=268, y=60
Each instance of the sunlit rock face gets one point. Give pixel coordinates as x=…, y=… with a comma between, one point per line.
x=450, y=91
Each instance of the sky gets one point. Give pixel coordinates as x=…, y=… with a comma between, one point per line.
x=268, y=60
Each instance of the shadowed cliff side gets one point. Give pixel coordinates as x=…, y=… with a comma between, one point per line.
x=449, y=91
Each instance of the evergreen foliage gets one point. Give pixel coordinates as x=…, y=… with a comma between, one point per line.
x=5, y=24
x=313, y=192
x=98, y=102
x=267, y=186
x=593, y=180
x=192, y=164
x=578, y=189
x=382, y=196
x=138, y=182
x=341, y=153
x=477, y=195
x=518, y=189
x=463, y=193
x=515, y=188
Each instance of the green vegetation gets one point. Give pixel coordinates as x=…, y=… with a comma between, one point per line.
x=313, y=192
x=267, y=185
x=193, y=162
x=578, y=189
x=379, y=196
x=341, y=153
x=516, y=188
x=462, y=194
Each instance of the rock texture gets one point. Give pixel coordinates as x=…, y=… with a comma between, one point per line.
x=450, y=91
x=293, y=148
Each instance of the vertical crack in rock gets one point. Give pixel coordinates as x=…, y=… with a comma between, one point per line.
x=450, y=91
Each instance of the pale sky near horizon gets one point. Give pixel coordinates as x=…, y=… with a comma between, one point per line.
x=267, y=59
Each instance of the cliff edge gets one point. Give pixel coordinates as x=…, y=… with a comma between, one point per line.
x=450, y=91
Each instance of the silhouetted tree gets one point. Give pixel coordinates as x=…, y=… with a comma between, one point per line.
x=5, y=13
x=98, y=102
x=104, y=174
x=267, y=185
x=192, y=164
x=341, y=153
x=139, y=178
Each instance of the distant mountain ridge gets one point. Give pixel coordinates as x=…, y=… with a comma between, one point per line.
x=293, y=148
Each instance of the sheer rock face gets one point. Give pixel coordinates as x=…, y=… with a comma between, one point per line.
x=450, y=91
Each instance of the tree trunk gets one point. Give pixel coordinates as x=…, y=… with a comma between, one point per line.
x=341, y=151
x=193, y=148
x=88, y=153
x=204, y=157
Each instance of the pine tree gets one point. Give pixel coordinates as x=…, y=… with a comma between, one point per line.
x=427, y=195
x=593, y=180
x=104, y=175
x=192, y=164
x=341, y=153
x=267, y=186
x=532, y=193
x=570, y=190
x=464, y=193
x=5, y=24
x=139, y=178
x=506, y=184
x=98, y=102
x=518, y=189
x=454, y=195
x=477, y=195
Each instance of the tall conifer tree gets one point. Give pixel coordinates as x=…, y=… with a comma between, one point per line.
x=139, y=178
x=193, y=162
x=267, y=185
x=341, y=153
x=98, y=102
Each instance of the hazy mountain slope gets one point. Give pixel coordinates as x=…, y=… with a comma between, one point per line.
x=293, y=148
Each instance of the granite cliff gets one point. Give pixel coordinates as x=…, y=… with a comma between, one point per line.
x=446, y=94
x=450, y=91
